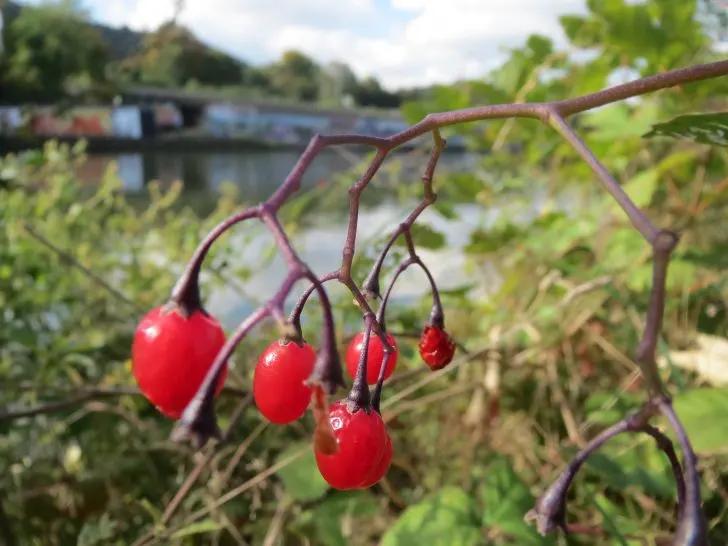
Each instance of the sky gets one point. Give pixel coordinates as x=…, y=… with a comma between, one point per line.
x=401, y=42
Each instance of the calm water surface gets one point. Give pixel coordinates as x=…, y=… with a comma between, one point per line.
x=257, y=173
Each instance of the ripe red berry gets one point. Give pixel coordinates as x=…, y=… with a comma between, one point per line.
x=361, y=439
x=172, y=353
x=436, y=347
x=383, y=467
x=375, y=357
x=278, y=382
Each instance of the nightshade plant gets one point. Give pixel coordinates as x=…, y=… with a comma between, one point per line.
x=352, y=446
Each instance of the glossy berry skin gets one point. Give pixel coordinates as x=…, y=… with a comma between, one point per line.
x=278, y=382
x=436, y=347
x=383, y=467
x=361, y=439
x=172, y=353
x=375, y=357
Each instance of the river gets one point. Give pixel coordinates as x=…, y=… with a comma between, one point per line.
x=257, y=173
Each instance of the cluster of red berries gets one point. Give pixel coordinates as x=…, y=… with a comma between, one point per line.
x=173, y=351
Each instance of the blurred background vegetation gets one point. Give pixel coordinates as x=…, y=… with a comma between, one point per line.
x=541, y=268
x=54, y=50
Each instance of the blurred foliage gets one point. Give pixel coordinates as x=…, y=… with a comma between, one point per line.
x=54, y=52
x=172, y=56
x=542, y=267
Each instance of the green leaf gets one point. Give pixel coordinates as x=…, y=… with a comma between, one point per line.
x=506, y=500
x=703, y=413
x=301, y=478
x=625, y=247
x=704, y=128
x=582, y=32
x=445, y=518
x=96, y=533
x=716, y=258
x=426, y=237
x=641, y=188
x=329, y=515
x=446, y=210
x=198, y=528
x=680, y=274
x=511, y=75
x=604, y=408
x=483, y=242
x=540, y=46
x=605, y=507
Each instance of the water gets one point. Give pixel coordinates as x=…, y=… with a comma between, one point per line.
x=257, y=173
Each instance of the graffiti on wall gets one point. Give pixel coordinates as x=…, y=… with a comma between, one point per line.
x=221, y=120
x=75, y=122
x=231, y=121
x=119, y=121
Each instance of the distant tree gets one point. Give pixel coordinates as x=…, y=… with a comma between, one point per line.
x=336, y=81
x=369, y=92
x=172, y=56
x=48, y=48
x=257, y=77
x=295, y=75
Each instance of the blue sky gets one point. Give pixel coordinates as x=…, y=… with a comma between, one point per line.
x=401, y=42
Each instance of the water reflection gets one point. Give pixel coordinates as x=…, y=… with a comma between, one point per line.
x=320, y=246
x=256, y=174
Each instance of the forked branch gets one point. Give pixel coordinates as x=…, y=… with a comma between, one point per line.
x=327, y=373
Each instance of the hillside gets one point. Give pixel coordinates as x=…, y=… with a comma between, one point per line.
x=122, y=41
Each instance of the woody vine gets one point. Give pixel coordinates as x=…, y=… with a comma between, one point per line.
x=180, y=353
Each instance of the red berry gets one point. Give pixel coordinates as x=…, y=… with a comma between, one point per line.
x=361, y=439
x=383, y=467
x=436, y=347
x=375, y=357
x=171, y=355
x=278, y=381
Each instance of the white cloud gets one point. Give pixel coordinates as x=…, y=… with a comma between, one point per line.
x=408, y=42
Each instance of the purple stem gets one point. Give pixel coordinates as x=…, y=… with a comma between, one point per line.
x=401, y=268
x=377, y=393
x=327, y=369
x=359, y=398
x=692, y=527
x=197, y=416
x=295, y=317
x=187, y=290
x=370, y=286
x=437, y=316
x=549, y=512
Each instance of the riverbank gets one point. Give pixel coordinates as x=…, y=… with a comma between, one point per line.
x=104, y=144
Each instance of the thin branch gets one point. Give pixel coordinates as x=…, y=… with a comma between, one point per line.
x=636, y=216
x=71, y=260
x=549, y=113
x=692, y=527
x=549, y=512
x=83, y=395
x=199, y=417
